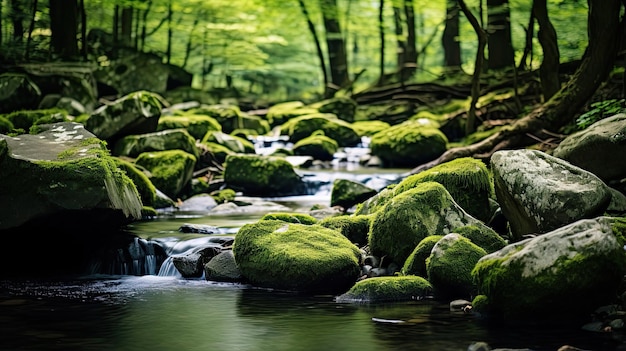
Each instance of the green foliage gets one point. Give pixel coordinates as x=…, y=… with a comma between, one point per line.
x=600, y=110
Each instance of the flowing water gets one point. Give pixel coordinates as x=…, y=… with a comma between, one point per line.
x=147, y=305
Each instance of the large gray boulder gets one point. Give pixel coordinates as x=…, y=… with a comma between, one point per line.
x=63, y=170
x=539, y=193
x=565, y=273
x=598, y=148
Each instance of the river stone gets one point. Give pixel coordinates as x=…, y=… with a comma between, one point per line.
x=62, y=169
x=296, y=257
x=387, y=289
x=598, y=148
x=427, y=209
x=539, y=193
x=223, y=268
x=135, y=113
x=171, y=139
x=347, y=193
x=257, y=175
x=450, y=264
x=567, y=272
x=170, y=170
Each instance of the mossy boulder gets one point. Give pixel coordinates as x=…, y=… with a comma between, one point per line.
x=25, y=119
x=229, y=117
x=339, y=130
x=450, y=264
x=296, y=257
x=342, y=106
x=387, y=289
x=196, y=125
x=64, y=174
x=259, y=175
x=347, y=193
x=170, y=171
x=290, y=217
x=5, y=125
x=353, y=227
x=18, y=92
x=427, y=209
x=483, y=236
x=467, y=179
x=318, y=146
x=565, y=273
x=218, y=152
x=369, y=128
x=170, y=139
x=232, y=142
x=415, y=264
x=282, y=112
x=134, y=113
x=408, y=144
x=376, y=202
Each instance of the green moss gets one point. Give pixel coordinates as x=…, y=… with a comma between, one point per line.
x=290, y=217
x=353, y=227
x=234, y=143
x=467, y=179
x=416, y=263
x=387, y=289
x=144, y=186
x=196, y=125
x=320, y=147
x=289, y=256
x=219, y=152
x=482, y=236
x=408, y=144
x=255, y=174
x=5, y=125
x=170, y=170
x=619, y=229
x=25, y=119
x=224, y=195
x=369, y=128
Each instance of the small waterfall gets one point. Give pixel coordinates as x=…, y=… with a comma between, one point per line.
x=168, y=269
x=137, y=257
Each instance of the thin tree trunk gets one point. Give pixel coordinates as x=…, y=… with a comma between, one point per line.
x=31, y=28
x=83, y=29
x=170, y=13
x=126, y=26
x=400, y=41
x=598, y=60
x=318, y=46
x=549, y=70
x=144, y=24
x=381, y=31
x=478, y=65
x=190, y=40
x=17, y=18
x=528, y=47
x=410, y=54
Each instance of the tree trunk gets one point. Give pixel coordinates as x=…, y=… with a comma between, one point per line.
x=170, y=14
x=450, y=38
x=499, y=44
x=318, y=46
x=381, y=32
x=17, y=18
x=400, y=40
x=336, y=47
x=126, y=25
x=31, y=28
x=410, y=54
x=528, y=47
x=478, y=66
x=63, y=19
x=597, y=62
x=549, y=70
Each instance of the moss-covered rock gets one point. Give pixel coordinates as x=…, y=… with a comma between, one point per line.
x=63, y=170
x=566, y=273
x=134, y=113
x=467, y=179
x=196, y=125
x=290, y=217
x=415, y=264
x=376, y=202
x=427, y=209
x=387, y=289
x=261, y=175
x=318, y=146
x=408, y=144
x=339, y=130
x=342, y=106
x=5, y=125
x=233, y=143
x=25, y=119
x=218, y=152
x=169, y=139
x=483, y=236
x=170, y=171
x=369, y=128
x=449, y=266
x=353, y=227
x=296, y=257
x=347, y=193
x=282, y=112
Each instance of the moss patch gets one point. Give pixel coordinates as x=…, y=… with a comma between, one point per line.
x=387, y=289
